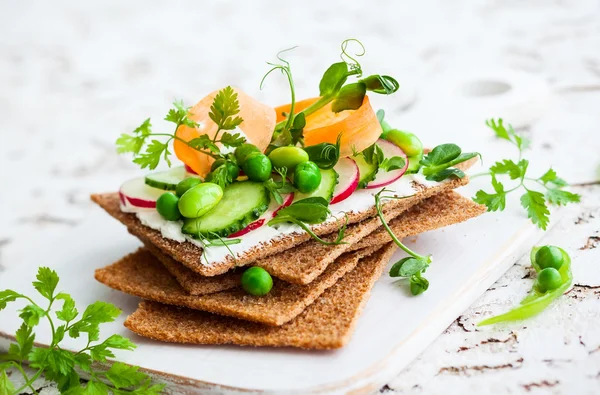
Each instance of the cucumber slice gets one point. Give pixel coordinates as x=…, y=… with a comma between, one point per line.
x=367, y=172
x=167, y=180
x=329, y=179
x=242, y=203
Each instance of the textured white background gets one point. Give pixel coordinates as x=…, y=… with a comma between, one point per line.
x=73, y=75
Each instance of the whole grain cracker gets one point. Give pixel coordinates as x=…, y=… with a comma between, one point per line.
x=326, y=324
x=142, y=274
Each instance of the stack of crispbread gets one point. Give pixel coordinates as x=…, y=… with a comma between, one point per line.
x=318, y=290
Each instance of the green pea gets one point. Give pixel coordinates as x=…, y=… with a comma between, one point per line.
x=257, y=167
x=548, y=279
x=408, y=142
x=549, y=256
x=232, y=168
x=200, y=199
x=243, y=151
x=307, y=177
x=288, y=157
x=183, y=186
x=166, y=205
x=257, y=281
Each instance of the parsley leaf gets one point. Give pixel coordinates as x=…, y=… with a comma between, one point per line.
x=535, y=204
x=58, y=364
x=154, y=152
x=232, y=140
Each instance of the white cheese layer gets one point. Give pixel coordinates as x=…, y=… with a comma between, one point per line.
x=360, y=200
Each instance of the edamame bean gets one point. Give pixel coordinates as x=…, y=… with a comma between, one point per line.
x=257, y=167
x=288, y=157
x=408, y=142
x=257, y=281
x=183, y=186
x=307, y=177
x=166, y=205
x=548, y=279
x=200, y=199
x=549, y=256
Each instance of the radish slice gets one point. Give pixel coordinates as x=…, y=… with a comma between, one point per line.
x=348, y=179
x=286, y=202
x=384, y=178
x=136, y=193
x=261, y=221
x=254, y=225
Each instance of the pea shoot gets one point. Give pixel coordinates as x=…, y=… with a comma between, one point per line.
x=554, y=279
x=312, y=210
x=535, y=202
x=55, y=362
x=411, y=267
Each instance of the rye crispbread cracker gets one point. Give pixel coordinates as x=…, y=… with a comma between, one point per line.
x=436, y=212
x=142, y=274
x=304, y=263
x=190, y=254
x=326, y=324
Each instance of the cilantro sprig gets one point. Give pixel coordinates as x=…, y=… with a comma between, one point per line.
x=60, y=365
x=149, y=152
x=534, y=201
x=411, y=267
x=312, y=210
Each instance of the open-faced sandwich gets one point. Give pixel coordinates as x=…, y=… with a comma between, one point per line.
x=278, y=221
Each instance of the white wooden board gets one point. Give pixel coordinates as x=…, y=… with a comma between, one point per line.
x=393, y=329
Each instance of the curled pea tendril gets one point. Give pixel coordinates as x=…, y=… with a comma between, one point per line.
x=351, y=59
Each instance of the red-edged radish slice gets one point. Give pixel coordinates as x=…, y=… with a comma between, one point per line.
x=286, y=202
x=348, y=179
x=261, y=221
x=136, y=193
x=384, y=178
x=254, y=225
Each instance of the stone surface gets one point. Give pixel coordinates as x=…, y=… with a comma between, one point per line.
x=73, y=75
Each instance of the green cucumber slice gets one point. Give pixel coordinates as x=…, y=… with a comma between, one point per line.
x=242, y=203
x=367, y=172
x=329, y=179
x=167, y=180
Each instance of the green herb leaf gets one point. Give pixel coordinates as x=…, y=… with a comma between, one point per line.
x=350, y=97
x=25, y=338
x=310, y=210
x=224, y=107
x=46, y=283
x=393, y=163
x=95, y=314
x=8, y=296
x=232, y=140
x=560, y=197
x=382, y=84
x=494, y=202
x=535, y=204
x=6, y=387
x=418, y=285
x=508, y=134
x=333, y=79
x=441, y=154
x=155, y=151
x=122, y=375
x=324, y=155
x=69, y=311
x=514, y=170
x=550, y=177
x=407, y=267
x=444, y=174
x=31, y=314
x=179, y=115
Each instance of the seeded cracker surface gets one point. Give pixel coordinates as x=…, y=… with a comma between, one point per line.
x=326, y=324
